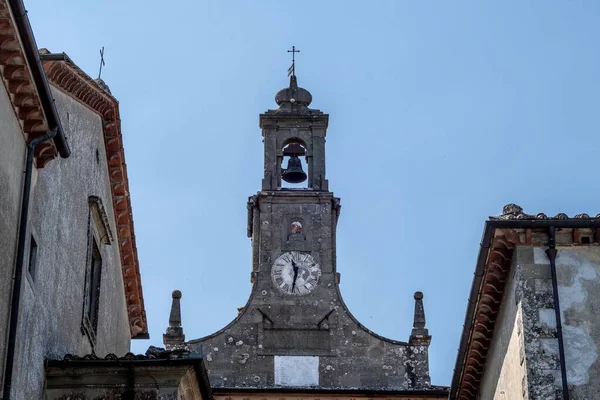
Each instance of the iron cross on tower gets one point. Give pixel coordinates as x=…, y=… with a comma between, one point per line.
x=101, y=61
x=292, y=69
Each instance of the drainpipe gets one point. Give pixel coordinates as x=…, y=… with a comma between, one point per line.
x=16, y=293
x=551, y=252
x=129, y=394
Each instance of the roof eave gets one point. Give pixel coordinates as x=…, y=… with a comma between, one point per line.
x=484, y=247
x=39, y=76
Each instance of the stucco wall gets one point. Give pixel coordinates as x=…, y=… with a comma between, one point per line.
x=12, y=161
x=52, y=302
x=504, y=375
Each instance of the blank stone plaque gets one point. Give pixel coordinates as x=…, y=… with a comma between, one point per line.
x=296, y=371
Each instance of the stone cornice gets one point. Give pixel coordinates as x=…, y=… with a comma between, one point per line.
x=21, y=88
x=66, y=76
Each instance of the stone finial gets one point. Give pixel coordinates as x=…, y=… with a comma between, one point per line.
x=174, y=339
x=419, y=320
x=175, y=316
x=419, y=335
x=512, y=209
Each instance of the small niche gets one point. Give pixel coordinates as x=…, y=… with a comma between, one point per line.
x=296, y=232
x=585, y=240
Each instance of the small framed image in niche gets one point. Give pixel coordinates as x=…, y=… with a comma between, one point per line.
x=295, y=234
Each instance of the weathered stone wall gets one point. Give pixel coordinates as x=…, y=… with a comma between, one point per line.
x=505, y=375
x=52, y=300
x=12, y=164
x=311, y=340
x=578, y=272
x=529, y=296
x=539, y=326
x=291, y=335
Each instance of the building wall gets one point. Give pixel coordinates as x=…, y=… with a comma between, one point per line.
x=289, y=339
x=52, y=302
x=505, y=375
x=311, y=340
x=529, y=297
x=12, y=163
x=578, y=272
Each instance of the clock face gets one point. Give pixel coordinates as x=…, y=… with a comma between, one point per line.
x=295, y=273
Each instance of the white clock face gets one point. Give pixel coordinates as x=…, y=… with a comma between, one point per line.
x=295, y=273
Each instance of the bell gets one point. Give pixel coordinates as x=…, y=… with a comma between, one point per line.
x=294, y=173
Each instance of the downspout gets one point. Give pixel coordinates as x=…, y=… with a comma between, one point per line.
x=551, y=252
x=129, y=394
x=16, y=293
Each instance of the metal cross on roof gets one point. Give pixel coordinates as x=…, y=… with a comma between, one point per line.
x=101, y=61
x=292, y=69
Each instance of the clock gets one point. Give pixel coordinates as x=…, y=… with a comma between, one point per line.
x=295, y=273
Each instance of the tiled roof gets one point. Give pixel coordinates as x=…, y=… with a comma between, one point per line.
x=515, y=212
x=21, y=87
x=153, y=353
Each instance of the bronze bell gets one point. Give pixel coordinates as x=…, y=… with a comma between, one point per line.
x=294, y=173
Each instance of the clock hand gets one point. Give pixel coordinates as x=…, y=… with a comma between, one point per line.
x=295, y=275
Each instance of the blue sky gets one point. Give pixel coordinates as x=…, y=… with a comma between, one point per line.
x=440, y=113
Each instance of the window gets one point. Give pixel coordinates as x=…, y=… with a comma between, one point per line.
x=99, y=233
x=33, y=248
x=92, y=291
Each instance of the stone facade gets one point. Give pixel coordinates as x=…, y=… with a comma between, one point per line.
x=578, y=272
x=521, y=358
x=295, y=330
x=525, y=345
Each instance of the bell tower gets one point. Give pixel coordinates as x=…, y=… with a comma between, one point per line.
x=295, y=330
x=294, y=130
x=293, y=229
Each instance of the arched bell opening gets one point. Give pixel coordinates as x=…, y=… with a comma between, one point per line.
x=294, y=165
